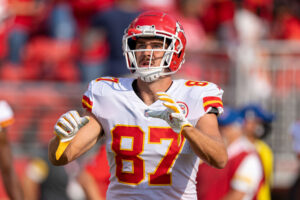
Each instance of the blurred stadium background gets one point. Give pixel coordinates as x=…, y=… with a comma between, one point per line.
x=250, y=48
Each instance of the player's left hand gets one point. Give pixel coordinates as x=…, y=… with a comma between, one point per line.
x=172, y=114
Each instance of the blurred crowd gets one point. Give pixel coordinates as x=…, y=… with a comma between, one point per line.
x=78, y=40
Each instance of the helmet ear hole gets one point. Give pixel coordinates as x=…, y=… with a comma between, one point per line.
x=131, y=43
x=179, y=54
x=168, y=41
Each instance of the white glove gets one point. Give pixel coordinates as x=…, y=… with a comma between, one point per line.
x=68, y=125
x=172, y=115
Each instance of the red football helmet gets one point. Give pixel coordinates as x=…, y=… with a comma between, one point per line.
x=158, y=25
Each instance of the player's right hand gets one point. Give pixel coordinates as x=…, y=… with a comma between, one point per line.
x=68, y=125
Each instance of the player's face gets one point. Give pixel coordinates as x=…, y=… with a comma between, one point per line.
x=148, y=57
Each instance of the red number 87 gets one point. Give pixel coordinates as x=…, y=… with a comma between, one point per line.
x=161, y=175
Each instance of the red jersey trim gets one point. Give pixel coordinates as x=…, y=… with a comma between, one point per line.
x=87, y=103
x=212, y=102
x=7, y=122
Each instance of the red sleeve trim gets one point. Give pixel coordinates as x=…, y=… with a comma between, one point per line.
x=87, y=103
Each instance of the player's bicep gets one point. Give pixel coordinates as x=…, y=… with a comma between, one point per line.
x=98, y=123
x=86, y=137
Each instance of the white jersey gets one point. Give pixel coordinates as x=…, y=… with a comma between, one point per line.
x=144, y=157
x=6, y=115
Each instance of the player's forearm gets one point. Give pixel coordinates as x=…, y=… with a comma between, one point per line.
x=52, y=150
x=10, y=179
x=209, y=149
x=75, y=135
x=12, y=185
x=80, y=144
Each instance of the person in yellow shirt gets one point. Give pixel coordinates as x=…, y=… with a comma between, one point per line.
x=257, y=125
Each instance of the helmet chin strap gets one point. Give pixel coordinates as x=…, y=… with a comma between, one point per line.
x=148, y=75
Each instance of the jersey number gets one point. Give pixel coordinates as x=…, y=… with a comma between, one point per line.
x=196, y=83
x=161, y=175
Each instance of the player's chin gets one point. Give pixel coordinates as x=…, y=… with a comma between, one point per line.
x=147, y=65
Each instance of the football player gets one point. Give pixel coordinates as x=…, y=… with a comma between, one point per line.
x=9, y=176
x=157, y=129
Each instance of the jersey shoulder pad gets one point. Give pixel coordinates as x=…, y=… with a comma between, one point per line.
x=208, y=92
x=98, y=84
x=203, y=88
x=107, y=80
x=201, y=85
x=97, y=88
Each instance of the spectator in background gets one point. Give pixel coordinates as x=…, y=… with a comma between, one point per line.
x=250, y=57
x=40, y=40
x=256, y=126
x=94, y=178
x=61, y=21
x=31, y=16
x=168, y=6
x=243, y=174
x=286, y=24
x=188, y=12
x=262, y=8
x=93, y=45
x=217, y=19
x=9, y=176
x=27, y=16
x=93, y=54
x=294, y=192
x=5, y=21
x=84, y=10
x=113, y=22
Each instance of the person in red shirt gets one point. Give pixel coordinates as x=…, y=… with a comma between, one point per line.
x=243, y=174
x=26, y=16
